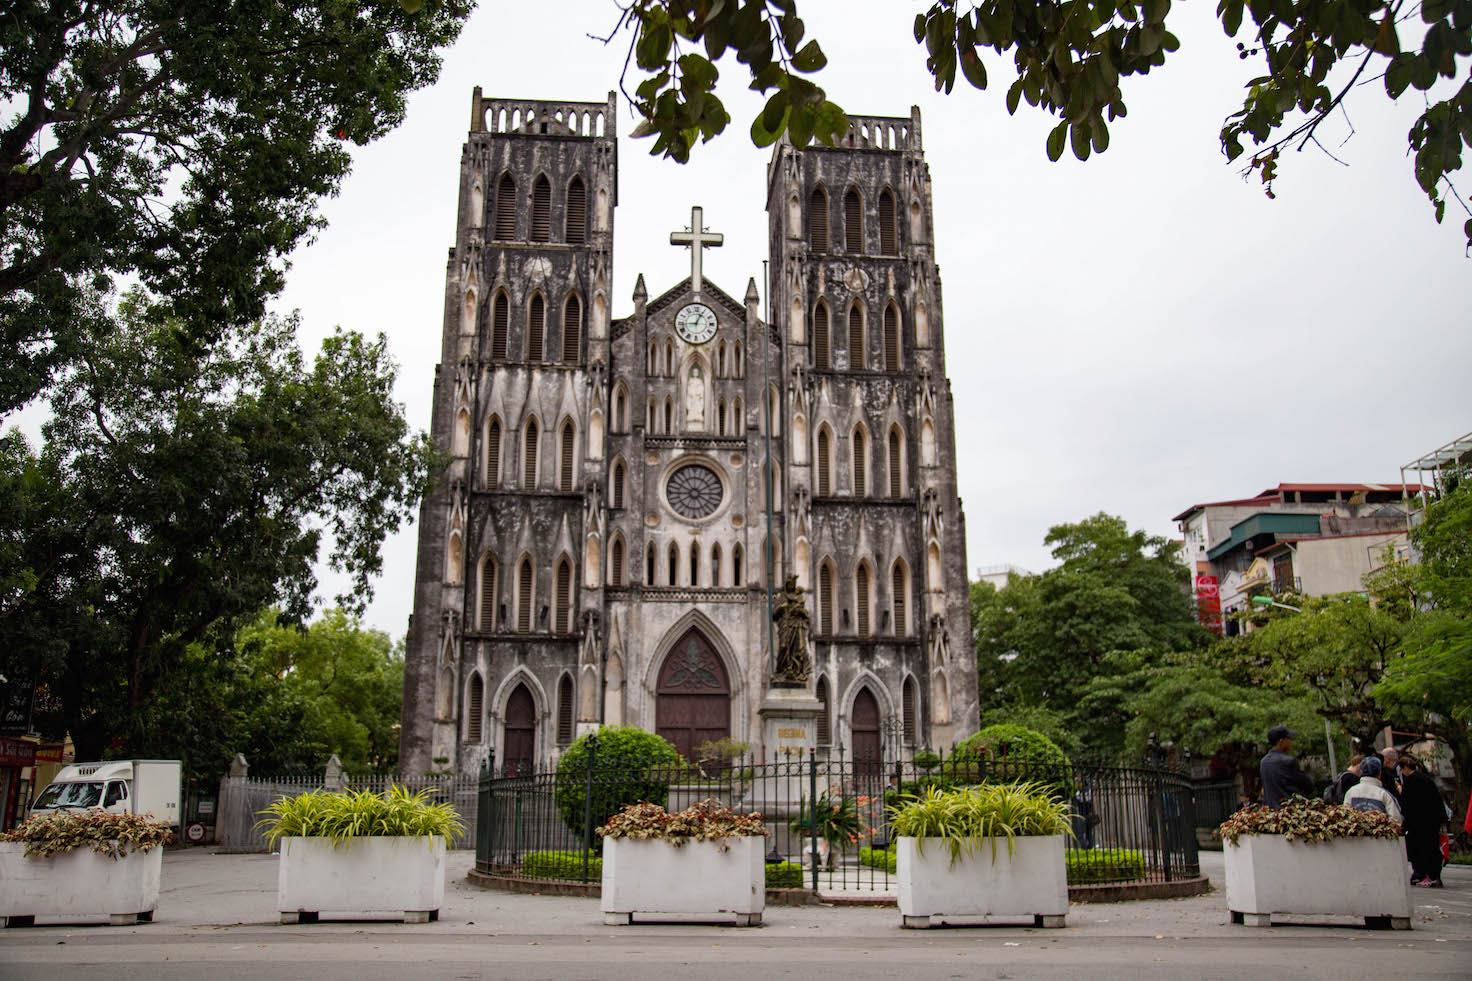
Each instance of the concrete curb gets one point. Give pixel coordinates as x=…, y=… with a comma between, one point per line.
x=594, y=890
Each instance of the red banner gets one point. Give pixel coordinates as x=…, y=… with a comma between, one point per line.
x=1209, y=604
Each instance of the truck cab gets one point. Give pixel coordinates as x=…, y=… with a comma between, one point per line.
x=118, y=787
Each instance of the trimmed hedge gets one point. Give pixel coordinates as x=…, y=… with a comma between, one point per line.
x=1012, y=743
x=784, y=875
x=879, y=858
x=561, y=865
x=643, y=763
x=1103, y=865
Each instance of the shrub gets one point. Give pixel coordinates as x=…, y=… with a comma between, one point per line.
x=702, y=821
x=113, y=835
x=839, y=820
x=1013, y=743
x=341, y=815
x=560, y=865
x=927, y=760
x=1460, y=858
x=991, y=811
x=1104, y=865
x=784, y=875
x=879, y=858
x=1302, y=819
x=630, y=765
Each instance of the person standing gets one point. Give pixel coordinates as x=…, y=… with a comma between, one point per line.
x=1369, y=794
x=1425, y=812
x=1336, y=790
x=1390, y=770
x=1281, y=777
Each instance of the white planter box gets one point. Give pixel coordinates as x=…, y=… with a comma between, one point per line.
x=80, y=883
x=361, y=876
x=1366, y=877
x=1030, y=880
x=708, y=878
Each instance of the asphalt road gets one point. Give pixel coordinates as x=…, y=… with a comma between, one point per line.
x=215, y=921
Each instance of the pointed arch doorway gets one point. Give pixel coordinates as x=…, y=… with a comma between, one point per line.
x=520, y=746
x=693, y=695
x=866, y=729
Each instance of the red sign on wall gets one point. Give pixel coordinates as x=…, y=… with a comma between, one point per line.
x=1209, y=604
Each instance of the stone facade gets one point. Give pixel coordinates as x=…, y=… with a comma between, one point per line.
x=597, y=549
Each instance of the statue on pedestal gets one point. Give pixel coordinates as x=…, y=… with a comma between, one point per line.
x=794, y=666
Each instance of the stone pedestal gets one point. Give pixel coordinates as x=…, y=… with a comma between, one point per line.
x=789, y=724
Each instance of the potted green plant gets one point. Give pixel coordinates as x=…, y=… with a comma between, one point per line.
x=349, y=852
x=992, y=850
x=82, y=863
x=706, y=859
x=840, y=825
x=1312, y=857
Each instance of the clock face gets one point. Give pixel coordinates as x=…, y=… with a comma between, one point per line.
x=696, y=323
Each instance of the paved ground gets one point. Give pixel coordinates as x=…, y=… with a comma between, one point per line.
x=216, y=920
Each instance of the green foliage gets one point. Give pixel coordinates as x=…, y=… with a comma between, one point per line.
x=632, y=765
x=183, y=487
x=113, y=835
x=926, y=760
x=840, y=820
x=966, y=817
x=784, y=875
x=1302, y=819
x=676, y=44
x=879, y=858
x=561, y=865
x=1101, y=865
x=343, y=815
x=1045, y=721
x=704, y=820
x=1013, y=743
x=186, y=145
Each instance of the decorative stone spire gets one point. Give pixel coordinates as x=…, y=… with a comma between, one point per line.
x=641, y=292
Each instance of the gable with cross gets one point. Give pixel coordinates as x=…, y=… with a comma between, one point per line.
x=698, y=238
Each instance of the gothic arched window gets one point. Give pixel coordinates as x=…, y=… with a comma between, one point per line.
x=506, y=208
x=694, y=564
x=529, y=456
x=900, y=597
x=616, y=495
x=565, y=726
x=820, y=336
x=541, y=210
x=500, y=326
x=888, y=240
x=649, y=566
x=524, y=583
x=861, y=463
x=856, y=361
x=896, y=462
x=493, y=453
x=674, y=569
x=909, y=704
x=577, y=213
x=620, y=409
x=488, y=593
x=826, y=580
x=862, y=583
x=572, y=331
x=536, y=328
x=891, y=338
x=616, y=563
x=825, y=462
x=715, y=564
x=736, y=571
x=563, y=599
x=825, y=722
x=475, y=708
x=853, y=222
x=565, y=465
x=818, y=220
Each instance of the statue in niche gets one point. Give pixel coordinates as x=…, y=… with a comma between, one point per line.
x=794, y=666
x=695, y=399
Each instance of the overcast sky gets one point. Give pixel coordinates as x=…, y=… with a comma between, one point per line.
x=1133, y=334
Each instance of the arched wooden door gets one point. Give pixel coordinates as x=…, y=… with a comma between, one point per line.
x=693, y=697
x=519, y=752
x=867, y=743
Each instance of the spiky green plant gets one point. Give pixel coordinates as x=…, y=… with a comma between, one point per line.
x=342, y=815
x=965, y=817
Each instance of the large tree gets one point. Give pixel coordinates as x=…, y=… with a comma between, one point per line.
x=180, y=488
x=1069, y=59
x=183, y=143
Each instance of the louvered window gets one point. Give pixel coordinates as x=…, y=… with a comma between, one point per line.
x=825, y=724
x=911, y=710
x=564, y=470
x=572, y=331
x=818, y=221
x=501, y=328
x=901, y=600
x=541, y=210
x=891, y=338
x=824, y=486
x=529, y=457
x=488, y=594
x=618, y=485
x=524, y=597
x=577, y=212
x=536, y=328
x=861, y=605
x=475, y=710
x=564, y=597
x=506, y=208
x=856, y=339
x=896, y=463
x=564, y=710
x=493, y=454
x=853, y=222
x=825, y=600
x=616, y=563
x=861, y=482
x=820, y=337
x=888, y=241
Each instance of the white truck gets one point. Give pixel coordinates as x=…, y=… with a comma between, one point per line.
x=150, y=787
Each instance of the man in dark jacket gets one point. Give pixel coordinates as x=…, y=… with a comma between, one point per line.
x=1281, y=777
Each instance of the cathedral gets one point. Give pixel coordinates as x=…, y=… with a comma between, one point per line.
x=626, y=497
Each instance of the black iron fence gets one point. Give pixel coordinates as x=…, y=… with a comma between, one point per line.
x=1130, y=824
